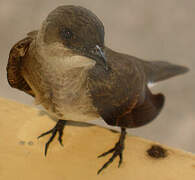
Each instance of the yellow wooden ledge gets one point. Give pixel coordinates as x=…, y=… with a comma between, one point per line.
x=22, y=156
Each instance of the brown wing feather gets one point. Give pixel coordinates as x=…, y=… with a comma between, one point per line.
x=16, y=56
x=144, y=113
x=160, y=70
x=121, y=95
x=117, y=91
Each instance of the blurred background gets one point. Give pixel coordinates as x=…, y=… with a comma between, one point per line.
x=152, y=30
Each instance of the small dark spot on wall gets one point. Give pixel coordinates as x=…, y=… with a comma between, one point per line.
x=30, y=143
x=157, y=152
x=22, y=142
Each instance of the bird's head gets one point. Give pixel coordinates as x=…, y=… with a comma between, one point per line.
x=78, y=30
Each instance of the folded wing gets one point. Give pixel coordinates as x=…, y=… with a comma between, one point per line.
x=159, y=70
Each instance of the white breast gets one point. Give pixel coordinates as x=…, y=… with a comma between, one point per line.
x=60, y=83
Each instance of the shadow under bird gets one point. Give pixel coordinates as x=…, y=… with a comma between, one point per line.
x=68, y=69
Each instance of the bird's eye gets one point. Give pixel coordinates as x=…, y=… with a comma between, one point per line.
x=67, y=34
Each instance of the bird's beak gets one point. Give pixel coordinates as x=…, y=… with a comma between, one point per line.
x=102, y=55
x=99, y=56
x=96, y=53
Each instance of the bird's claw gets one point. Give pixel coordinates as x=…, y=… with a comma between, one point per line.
x=117, y=151
x=59, y=127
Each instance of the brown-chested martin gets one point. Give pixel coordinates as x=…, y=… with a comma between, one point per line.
x=67, y=68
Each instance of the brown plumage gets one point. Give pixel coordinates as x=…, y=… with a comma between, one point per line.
x=16, y=55
x=68, y=69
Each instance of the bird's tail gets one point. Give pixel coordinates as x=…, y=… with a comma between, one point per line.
x=159, y=70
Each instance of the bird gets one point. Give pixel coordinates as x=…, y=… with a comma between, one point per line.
x=66, y=66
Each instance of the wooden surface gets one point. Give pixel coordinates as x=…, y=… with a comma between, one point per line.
x=22, y=154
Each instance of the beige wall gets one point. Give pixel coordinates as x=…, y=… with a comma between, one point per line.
x=152, y=29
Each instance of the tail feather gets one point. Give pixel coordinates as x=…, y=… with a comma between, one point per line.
x=159, y=70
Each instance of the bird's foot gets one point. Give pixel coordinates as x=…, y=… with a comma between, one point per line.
x=59, y=127
x=117, y=151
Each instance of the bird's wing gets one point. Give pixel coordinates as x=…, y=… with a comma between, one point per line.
x=144, y=113
x=16, y=56
x=158, y=70
x=121, y=95
x=117, y=91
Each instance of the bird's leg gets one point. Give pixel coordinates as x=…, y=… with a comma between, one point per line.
x=59, y=127
x=117, y=151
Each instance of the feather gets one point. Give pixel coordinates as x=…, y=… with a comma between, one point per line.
x=158, y=70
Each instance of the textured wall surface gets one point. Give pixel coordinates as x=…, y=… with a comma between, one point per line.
x=152, y=29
